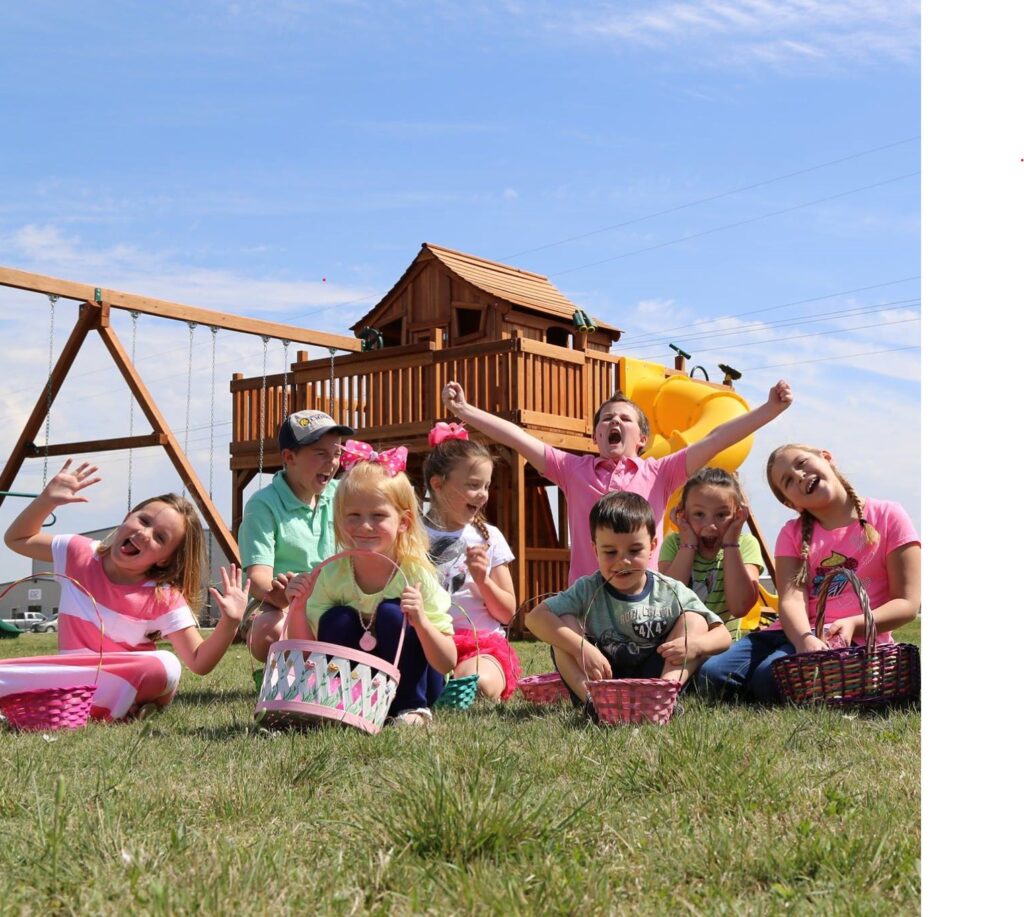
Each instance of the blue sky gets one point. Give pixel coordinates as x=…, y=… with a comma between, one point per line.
x=688, y=171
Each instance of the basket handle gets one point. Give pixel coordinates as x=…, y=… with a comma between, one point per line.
x=590, y=605
x=476, y=635
x=50, y=574
x=299, y=606
x=870, y=628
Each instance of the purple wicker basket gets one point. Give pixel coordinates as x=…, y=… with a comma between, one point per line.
x=870, y=675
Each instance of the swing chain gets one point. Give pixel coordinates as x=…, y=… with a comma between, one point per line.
x=53, y=297
x=131, y=407
x=330, y=398
x=285, y=345
x=188, y=387
x=263, y=409
x=213, y=393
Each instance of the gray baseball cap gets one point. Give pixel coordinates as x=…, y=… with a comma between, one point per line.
x=303, y=428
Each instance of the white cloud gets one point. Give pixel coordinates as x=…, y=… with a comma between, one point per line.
x=48, y=249
x=776, y=32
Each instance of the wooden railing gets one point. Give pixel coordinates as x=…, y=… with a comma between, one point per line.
x=395, y=394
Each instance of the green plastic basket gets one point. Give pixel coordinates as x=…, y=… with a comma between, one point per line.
x=459, y=693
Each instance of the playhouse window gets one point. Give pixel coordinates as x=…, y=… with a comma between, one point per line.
x=557, y=335
x=468, y=321
x=392, y=333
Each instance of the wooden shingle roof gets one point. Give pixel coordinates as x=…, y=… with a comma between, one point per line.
x=512, y=284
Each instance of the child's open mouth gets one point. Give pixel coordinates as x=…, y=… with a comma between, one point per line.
x=127, y=547
x=323, y=480
x=812, y=484
x=614, y=437
x=709, y=542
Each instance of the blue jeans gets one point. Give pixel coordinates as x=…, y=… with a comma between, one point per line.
x=745, y=669
x=419, y=684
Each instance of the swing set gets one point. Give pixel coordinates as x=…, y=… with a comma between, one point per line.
x=95, y=305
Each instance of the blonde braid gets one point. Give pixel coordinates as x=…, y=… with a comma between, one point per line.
x=806, y=530
x=871, y=535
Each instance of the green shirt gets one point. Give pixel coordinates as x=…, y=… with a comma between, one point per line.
x=336, y=585
x=643, y=619
x=278, y=530
x=706, y=579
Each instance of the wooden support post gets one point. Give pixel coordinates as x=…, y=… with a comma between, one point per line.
x=174, y=451
x=769, y=560
x=88, y=318
x=522, y=583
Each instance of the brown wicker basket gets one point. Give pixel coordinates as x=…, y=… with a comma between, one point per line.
x=853, y=676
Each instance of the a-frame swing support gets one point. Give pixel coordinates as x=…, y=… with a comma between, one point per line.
x=94, y=315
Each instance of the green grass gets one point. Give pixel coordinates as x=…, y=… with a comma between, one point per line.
x=510, y=809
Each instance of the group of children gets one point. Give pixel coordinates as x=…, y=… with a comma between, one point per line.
x=440, y=571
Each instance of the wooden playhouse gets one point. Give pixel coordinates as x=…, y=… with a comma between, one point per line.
x=520, y=349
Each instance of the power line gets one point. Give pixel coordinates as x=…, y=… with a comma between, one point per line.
x=714, y=229
x=712, y=197
x=699, y=339
x=844, y=356
x=678, y=329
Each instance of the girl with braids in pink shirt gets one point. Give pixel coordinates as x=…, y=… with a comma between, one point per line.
x=836, y=528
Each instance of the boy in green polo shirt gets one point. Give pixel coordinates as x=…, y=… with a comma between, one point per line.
x=288, y=526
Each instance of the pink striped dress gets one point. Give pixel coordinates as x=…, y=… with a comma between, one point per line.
x=134, y=671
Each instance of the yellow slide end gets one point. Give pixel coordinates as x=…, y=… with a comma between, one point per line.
x=682, y=410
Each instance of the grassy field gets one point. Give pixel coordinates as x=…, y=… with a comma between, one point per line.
x=511, y=809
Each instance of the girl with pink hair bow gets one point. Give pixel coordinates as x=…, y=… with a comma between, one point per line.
x=472, y=558
x=360, y=601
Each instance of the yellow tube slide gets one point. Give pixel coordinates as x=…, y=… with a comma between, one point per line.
x=682, y=410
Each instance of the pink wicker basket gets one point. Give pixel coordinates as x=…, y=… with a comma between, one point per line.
x=48, y=708
x=852, y=676
x=53, y=708
x=313, y=681
x=547, y=688
x=619, y=701
x=634, y=700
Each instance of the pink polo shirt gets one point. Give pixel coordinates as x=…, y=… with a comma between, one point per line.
x=584, y=479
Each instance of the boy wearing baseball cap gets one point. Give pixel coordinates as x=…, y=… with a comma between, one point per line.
x=288, y=526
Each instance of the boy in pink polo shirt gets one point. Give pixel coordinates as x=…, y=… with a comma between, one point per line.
x=621, y=431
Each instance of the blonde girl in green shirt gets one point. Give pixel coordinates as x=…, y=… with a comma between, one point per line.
x=711, y=553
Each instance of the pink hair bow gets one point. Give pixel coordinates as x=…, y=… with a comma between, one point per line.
x=443, y=432
x=391, y=460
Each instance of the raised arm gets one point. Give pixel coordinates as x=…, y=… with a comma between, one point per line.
x=201, y=656
x=728, y=434
x=498, y=429
x=24, y=536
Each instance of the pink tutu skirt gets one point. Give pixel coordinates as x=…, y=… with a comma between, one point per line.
x=497, y=647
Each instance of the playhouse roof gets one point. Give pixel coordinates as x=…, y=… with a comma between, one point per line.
x=512, y=284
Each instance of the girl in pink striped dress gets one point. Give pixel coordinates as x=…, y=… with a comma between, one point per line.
x=146, y=579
